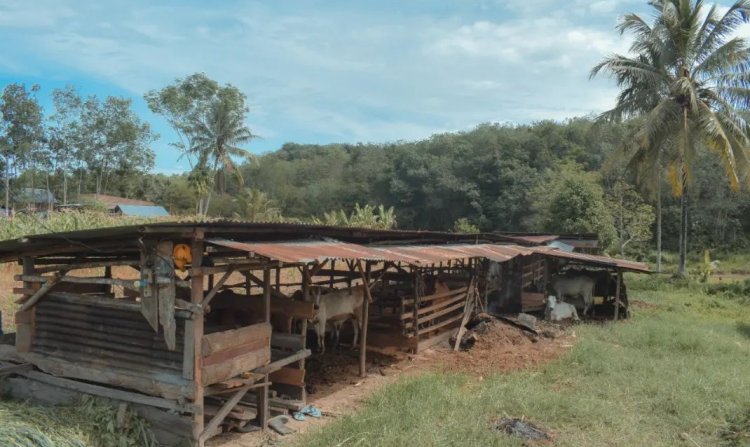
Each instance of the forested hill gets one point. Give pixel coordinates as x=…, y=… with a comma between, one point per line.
x=548, y=176
x=488, y=175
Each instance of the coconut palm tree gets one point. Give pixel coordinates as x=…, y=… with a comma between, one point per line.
x=689, y=80
x=217, y=135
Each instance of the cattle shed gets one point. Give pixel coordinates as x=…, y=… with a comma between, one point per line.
x=202, y=327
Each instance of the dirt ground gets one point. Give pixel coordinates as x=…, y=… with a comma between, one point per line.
x=336, y=388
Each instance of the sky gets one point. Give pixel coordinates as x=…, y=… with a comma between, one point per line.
x=327, y=71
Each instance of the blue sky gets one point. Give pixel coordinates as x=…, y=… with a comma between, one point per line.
x=334, y=71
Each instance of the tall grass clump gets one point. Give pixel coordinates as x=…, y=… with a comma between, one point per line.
x=91, y=423
x=673, y=375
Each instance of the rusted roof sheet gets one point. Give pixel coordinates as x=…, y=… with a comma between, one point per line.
x=433, y=254
x=308, y=251
x=593, y=259
x=537, y=239
x=317, y=251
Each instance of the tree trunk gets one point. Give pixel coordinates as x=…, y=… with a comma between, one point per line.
x=682, y=268
x=65, y=188
x=7, y=187
x=658, y=226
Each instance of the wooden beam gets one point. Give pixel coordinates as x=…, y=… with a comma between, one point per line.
x=278, y=364
x=194, y=337
x=365, y=319
x=215, y=289
x=617, y=294
x=260, y=282
x=15, y=369
x=267, y=295
x=32, y=300
x=103, y=391
x=213, y=424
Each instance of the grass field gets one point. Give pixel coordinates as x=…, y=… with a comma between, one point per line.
x=672, y=376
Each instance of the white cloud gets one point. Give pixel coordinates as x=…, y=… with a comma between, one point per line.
x=339, y=73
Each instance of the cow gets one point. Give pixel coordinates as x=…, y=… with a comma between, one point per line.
x=555, y=311
x=573, y=286
x=337, y=306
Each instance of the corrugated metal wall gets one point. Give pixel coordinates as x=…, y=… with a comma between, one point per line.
x=93, y=332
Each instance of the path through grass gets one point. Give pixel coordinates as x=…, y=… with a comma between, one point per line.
x=670, y=377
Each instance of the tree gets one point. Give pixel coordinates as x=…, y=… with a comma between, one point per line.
x=209, y=121
x=22, y=130
x=572, y=201
x=63, y=132
x=255, y=206
x=217, y=133
x=463, y=225
x=632, y=217
x=690, y=82
x=113, y=138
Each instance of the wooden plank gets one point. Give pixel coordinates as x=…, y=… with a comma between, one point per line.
x=436, y=296
x=424, y=310
x=288, y=376
x=166, y=291
x=219, y=341
x=7, y=369
x=438, y=314
x=107, y=392
x=441, y=324
x=290, y=342
x=236, y=351
x=149, y=306
x=213, y=424
x=468, y=309
x=156, y=384
x=235, y=366
x=278, y=364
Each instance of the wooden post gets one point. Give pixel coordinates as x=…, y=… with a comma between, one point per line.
x=365, y=318
x=25, y=319
x=333, y=268
x=617, y=294
x=262, y=392
x=194, y=338
x=278, y=279
x=108, y=274
x=305, y=297
x=415, y=310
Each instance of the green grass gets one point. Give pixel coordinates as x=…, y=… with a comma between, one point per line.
x=674, y=372
x=91, y=423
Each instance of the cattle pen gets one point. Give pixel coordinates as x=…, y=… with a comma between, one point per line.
x=203, y=327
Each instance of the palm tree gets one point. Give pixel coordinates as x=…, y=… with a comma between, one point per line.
x=217, y=136
x=255, y=206
x=690, y=82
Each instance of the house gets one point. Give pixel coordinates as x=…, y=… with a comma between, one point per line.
x=127, y=207
x=140, y=210
x=34, y=199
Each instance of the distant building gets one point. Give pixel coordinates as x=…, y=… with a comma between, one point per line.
x=111, y=202
x=29, y=199
x=141, y=210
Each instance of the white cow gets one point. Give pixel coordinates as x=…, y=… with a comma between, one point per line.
x=555, y=311
x=337, y=306
x=573, y=286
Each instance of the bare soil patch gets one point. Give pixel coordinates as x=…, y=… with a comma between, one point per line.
x=336, y=388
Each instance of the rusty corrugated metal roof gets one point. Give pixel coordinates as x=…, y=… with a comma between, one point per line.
x=536, y=239
x=317, y=251
x=308, y=251
x=593, y=259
